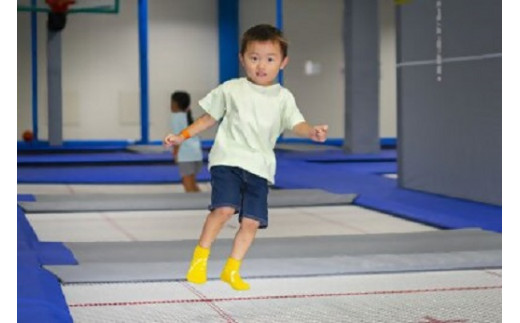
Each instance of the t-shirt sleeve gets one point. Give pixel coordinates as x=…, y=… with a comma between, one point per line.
x=214, y=103
x=291, y=114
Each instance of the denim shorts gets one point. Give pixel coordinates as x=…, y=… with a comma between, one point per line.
x=238, y=188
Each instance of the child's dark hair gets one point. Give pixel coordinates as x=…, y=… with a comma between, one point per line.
x=264, y=32
x=183, y=100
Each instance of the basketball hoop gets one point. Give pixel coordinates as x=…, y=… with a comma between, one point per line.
x=59, y=6
x=58, y=15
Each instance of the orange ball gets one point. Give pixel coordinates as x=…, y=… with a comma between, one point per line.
x=27, y=135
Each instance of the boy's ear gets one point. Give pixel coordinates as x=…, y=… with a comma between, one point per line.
x=285, y=61
x=241, y=58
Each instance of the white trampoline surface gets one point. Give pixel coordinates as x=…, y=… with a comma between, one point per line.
x=186, y=224
x=434, y=297
x=418, y=297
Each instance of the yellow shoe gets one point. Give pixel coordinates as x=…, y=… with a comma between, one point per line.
x=231, y=275
x=198, y=267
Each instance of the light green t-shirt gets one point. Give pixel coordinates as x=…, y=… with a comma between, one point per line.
x=252, y=118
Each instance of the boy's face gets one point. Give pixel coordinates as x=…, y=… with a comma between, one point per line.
x=262, y=61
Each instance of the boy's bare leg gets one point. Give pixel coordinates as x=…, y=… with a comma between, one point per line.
x=214, y=223
x=243, y=240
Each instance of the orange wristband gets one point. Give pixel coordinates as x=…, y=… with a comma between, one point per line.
x=185, y=134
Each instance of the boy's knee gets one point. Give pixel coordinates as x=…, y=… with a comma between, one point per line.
x=249, y=224
x=224, y=213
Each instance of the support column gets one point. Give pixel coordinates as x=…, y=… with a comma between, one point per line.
x=361, y=30
x=228, y=40
x=142, y=12
x=54, y=87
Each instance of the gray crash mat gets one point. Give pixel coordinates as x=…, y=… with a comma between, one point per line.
x=279, y=257
x=172, y=201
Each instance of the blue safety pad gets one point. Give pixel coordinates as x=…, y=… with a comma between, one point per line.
x=47, y=253
x=40, y=298
x=54, y=253
x=26, y=198
x=380, y=193
x=335, y=156
x=39, y=295
x=111, y=174
x=25, y=233
x=96, y=158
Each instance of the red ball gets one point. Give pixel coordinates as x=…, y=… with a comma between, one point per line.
x=27, y=135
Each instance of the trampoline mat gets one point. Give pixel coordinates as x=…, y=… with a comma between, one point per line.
x=172, y=201
x=288, y=257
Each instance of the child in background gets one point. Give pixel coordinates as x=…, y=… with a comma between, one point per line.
x=252, y=112
x=188, y=155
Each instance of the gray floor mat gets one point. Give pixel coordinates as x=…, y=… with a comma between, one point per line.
x=172, y=201
x=302, y=256
x=272, y=268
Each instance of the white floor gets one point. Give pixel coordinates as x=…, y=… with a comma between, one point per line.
x=425, y=297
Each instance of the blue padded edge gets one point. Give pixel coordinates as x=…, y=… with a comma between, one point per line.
x=26, y=198
x=110, y=174
x=377, y=192
x=40, y=298
x=39, y=295
x=96, y=158
x=338, y=156
x=111, y=145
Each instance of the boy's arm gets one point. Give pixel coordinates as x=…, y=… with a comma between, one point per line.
x=315, y=133
x=202, y=123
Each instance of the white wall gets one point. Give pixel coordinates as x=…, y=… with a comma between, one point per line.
x=314, y=30
x=101, y=64
x=387, y=83
x=24, y=96
x=100, y=67
x=183, y=55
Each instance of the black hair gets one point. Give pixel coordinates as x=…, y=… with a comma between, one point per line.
x=263, y=32
x=183, y=100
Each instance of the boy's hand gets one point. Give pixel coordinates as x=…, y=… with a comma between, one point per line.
x=172, y=140
x=319, y=133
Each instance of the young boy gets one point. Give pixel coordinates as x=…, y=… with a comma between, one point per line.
x=252, y=113
x=188, y=155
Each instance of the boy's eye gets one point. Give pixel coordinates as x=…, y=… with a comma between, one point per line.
x=254, y=58
x=270, y=59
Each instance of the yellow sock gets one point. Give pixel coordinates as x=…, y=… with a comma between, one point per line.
x=230, y=274
x=198, y=268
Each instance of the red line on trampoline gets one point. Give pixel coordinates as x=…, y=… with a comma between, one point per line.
x=214, y=306
x=119, y=228
x=493, y=273
x=294, y=296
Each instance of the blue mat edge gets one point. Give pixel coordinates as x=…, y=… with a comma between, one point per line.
x=39, y=294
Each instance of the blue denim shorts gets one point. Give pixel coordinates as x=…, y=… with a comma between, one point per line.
x=238, y=188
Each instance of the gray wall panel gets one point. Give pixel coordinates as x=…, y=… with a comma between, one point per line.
x=450, y=129
x=451, y=142
x=469, y=27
